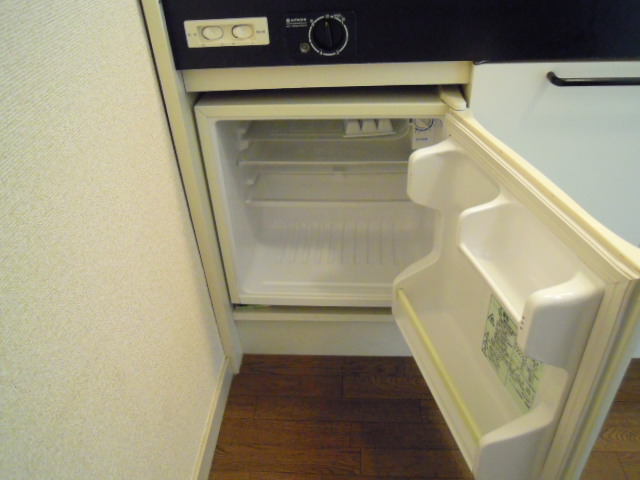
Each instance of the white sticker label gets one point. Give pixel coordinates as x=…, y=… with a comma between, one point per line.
x=519, y=373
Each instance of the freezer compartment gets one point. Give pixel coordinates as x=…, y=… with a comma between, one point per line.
x=315, y=212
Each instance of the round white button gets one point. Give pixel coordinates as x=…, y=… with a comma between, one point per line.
x=242, y=31
x=212, y=33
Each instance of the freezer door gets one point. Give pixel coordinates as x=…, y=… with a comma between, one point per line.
x=521, y=319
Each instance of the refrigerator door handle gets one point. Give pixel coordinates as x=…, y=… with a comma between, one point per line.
x=592, y=82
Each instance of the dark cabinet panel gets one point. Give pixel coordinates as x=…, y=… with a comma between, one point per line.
x=412, y=31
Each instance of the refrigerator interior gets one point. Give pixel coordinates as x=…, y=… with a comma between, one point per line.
x=315, y=212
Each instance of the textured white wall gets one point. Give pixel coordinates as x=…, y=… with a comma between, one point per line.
x=109, y=353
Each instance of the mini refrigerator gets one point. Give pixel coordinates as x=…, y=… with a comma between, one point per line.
x=398, y=197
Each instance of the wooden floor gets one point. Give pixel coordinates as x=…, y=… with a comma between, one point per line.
x=616, y=454
x=368, y=418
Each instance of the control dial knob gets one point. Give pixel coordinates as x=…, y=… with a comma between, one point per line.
x=328, y=34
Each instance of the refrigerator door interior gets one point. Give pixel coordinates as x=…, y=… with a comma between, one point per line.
x=498, y=314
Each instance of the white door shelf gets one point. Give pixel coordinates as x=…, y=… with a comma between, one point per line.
x=499, y=440
x=538, y=280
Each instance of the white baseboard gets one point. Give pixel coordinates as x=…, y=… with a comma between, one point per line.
x=374, y=338
x=214, y=421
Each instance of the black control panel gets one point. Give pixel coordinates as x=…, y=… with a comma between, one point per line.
x=313, y=36
x=379, y=31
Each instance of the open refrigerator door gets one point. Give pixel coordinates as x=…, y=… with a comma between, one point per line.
x=498, y=315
